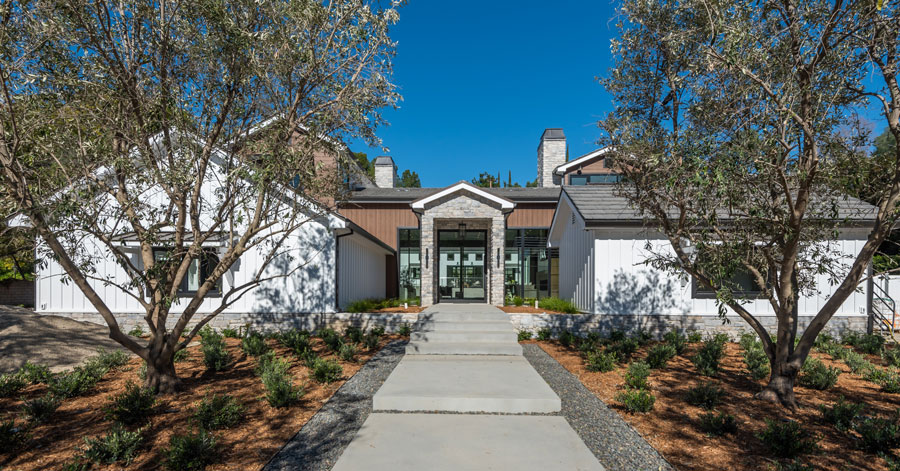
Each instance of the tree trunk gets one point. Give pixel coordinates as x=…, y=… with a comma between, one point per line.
x=161, y=376
x=781, y=385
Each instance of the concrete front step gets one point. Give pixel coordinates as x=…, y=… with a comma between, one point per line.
x=498, y=316
x=463, y=336
x=484, y=326
x=470, y=383
x=463, y=348
x=452, y=442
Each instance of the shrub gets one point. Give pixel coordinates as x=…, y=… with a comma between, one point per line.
x=280, y=389
x=518, y=300
x=601, y=361
x=132, y=406
x=254, y=344
x=890, y=383
x=12, y=436
x=643, y=337
x=404, y=330
x=558, y=305
x=524, y=335
x=660, y=354
x=815, y=375
x=309, y=359
x=117, y=446
x=877, y=435
x=842, y=414
x=77, y=463
x=616, y=336
x=295, y=340
x=787, y=439
x=74, y=383
x=623, y=348
x=872, y=344
x=834, y=349
x=217, y=412
x=676, y=340
x=327, y=371
x=41, y=408
x=230, y=333
x=106, y=360
x=363, y=305
x=11, y=384
x=544, y=334
x=332, y=339
x=757, y=363
x=377, y=331
x=694, y=337
x=636, y=400
x=354, y=334
x=708, y=356
x=566, y=338
x=35, y=374
x=857, y=363
x=181, y=355
x=715, y=425
x=891, y=356
x=215, y=355
x=348, y=352
x=137, y=331
x=271, y=363
x=795, y=465
x=637, y=374
x=706, y=395
x=370, y=341
x=851, y=338
x=191, y=451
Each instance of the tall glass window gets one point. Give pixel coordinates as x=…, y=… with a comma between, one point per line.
x=530, y=264
x=410, y=264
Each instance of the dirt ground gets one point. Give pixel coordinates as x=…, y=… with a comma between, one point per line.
x=55, y=341
x=671, y=426
x=250, y=445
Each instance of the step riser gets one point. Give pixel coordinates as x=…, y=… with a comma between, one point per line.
x=463, y=317
x=451, y=326
x=457, y=404
x=462, y=348
x=463, y=336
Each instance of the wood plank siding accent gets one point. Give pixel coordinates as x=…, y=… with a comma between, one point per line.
x=381, y=219
x=531, y=215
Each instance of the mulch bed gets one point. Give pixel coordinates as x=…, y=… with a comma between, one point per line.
x=250, y=445
x=671, y=426
x=526, y=310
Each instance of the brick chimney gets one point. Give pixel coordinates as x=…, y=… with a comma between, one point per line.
x=385, y=172
x=551, y=153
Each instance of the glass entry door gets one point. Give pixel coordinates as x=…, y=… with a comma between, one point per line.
x=461, y=265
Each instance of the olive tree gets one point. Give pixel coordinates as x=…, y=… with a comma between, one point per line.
x=130, y=125
x=738, y=127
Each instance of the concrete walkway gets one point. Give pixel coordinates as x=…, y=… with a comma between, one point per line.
x=464, y=398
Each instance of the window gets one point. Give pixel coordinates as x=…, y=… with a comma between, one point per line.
x=200, y=269
x=594, y=179
x=410, y=276
x=741, y=283
x=451, y=257
x=531, y=269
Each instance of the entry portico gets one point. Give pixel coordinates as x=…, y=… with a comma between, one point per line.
x=463, y=232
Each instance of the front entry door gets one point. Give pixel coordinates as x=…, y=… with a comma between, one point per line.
x=461, y=265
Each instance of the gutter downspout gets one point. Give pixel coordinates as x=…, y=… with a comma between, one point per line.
x=337, y=268
x=870, y=288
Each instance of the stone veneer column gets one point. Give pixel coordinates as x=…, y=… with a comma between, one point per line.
x=427, y=237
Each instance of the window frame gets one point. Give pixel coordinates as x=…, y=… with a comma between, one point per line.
x=587, y=182
x=698, y=292
x=183, y=291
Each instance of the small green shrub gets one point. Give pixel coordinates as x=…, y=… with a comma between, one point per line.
x=254, y=344
x=567, y=338
x=878, y=435
x=193, y=451
x=795, y=465
x=707, y=395
x=404, y=330
x=77, y=463
x=132, y=406
x=676, y=340
x=309, y=359
x=842, y=414
x=12, y=436
x=518, y=300
x=757, y=363
x=709, y=355
x=523, y=335
x=181, y=355
x=815, y=375
x=107, y=360
x=787, y=439
x=623, y=348
x=11, y=384
x=280, y=389
x=363, y=305
x=354, y=334
x=117, y=446
x=75, y=383
x=215, y=354
x=872, y=344
x=35, y=374
x=295, y=340
x=891, y=356
x=601, y=361
x=377, y=331
x=327, y=371
x=218, y=411
x=558, y=305
x=616, y=336
x=544, y=334
x=370, y=341
x=834, y=349
x=717, y=424
x=637, y=375
x=230, y=333
x=136, y=332
x=636, y=400
x=660, y=354
x=851, y=338
x=348, y=352
x=857, y=363
x=694, y=337
x=332, y=340
x=890, y=382
x=643, y=337
x=41, y=408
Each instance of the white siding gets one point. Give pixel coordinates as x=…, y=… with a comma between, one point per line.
x=361, y=269
x=576, y=261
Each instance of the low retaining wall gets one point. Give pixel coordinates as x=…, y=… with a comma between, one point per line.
x=17, y=293
x=658, y=325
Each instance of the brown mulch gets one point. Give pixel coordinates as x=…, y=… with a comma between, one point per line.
x=671, y=426
x=250, y=445
x=526, y=310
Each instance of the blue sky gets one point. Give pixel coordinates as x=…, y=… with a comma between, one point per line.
x=480, y=82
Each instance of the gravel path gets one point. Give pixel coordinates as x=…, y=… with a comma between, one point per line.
x=615, y=444
x=320, y=442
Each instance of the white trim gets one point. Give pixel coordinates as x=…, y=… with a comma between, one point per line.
x=561, y=170
x=503, y=202
x=555, y=233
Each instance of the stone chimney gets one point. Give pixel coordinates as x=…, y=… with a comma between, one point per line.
x=385, y=172
x=551, y=153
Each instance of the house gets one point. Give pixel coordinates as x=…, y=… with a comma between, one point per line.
x=569, y=237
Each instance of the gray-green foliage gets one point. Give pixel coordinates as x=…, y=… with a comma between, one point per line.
x=41, y=408
x=12, y=436
x=817, y=375
x=191, y=451
x=842, y=414
x=676, y=340
x=326, y=371
x=280, y=389
x=636, y=400
x=218, y=411
x=601, y=361
x=709, y=355
x=215, y=355
x=717, y=424
x=660, y=354
x=637, y=375
x=132, y=406
x=11, y=384
x=706, y=394
x=119, y=445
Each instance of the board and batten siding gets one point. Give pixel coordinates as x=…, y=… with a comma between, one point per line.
x=361, y=269
x=576, y=262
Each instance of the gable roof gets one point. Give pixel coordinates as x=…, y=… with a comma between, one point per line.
x=504, y=203
x=584, y=159
x=408, y=195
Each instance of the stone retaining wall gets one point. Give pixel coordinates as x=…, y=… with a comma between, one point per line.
x=17, y=293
